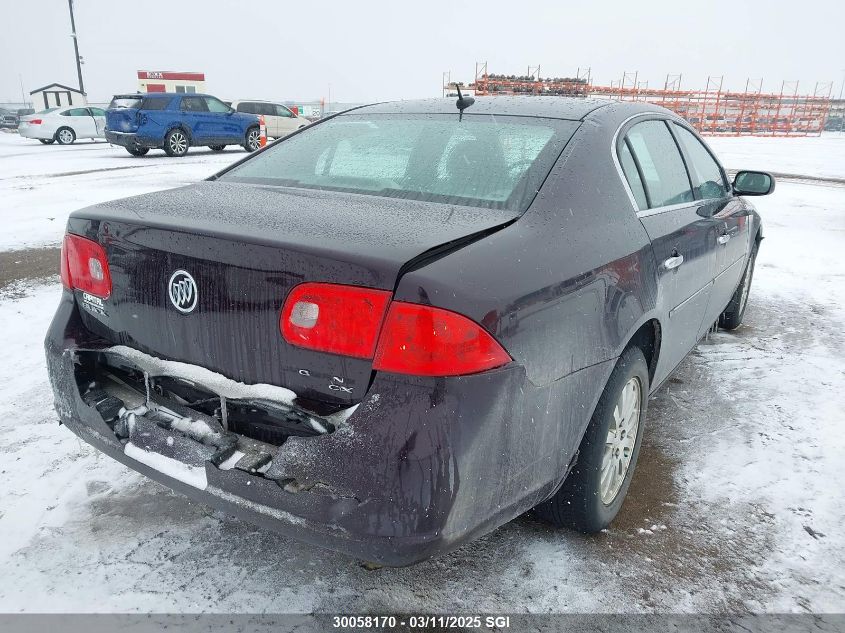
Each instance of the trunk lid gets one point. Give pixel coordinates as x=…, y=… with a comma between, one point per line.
x=246, y=247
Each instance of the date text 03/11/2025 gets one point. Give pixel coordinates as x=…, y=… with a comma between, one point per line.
x=496, y=622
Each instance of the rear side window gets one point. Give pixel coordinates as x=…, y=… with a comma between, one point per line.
x=267, y=109
x=248, y=108
x=660, y=161
x=155, y=103
x=709, y=179
x=194, y=104
x=632, y=174
x=482, y=160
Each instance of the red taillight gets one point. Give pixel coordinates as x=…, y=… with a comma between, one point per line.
x=426, y=341
x=334, y=318
x=63, y=268
x=84, y=266
x=415, y=339
x=34, y=121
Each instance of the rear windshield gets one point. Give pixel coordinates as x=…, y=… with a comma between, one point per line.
x=125, y=102
x=142, y=102
x=483, y=160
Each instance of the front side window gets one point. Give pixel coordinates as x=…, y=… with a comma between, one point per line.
x=75, y=112
x=661, y=164
x=710, y=181
x=97, y=112
x=483, y=160
x=215, y=105
x=283, y=111
x=194, y=104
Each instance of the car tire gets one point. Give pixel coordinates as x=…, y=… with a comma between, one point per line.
x=137, y=151
x=65, y=136
x=176, y=142
x=217, y=148
x=47, y=141
x=252, y=139
x=592, y=494
x=732, y=317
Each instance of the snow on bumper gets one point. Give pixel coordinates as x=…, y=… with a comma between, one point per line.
x=421, y=466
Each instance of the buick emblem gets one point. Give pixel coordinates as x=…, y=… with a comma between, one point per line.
x=183, y=291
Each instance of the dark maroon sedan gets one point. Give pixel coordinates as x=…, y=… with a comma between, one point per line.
x=407, y=324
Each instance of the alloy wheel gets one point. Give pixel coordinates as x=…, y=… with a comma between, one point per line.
x=253, y=139
x=178, y=143
x=65, y=137
x=621, y=439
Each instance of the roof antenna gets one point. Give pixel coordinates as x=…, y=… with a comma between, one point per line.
x=463, y=102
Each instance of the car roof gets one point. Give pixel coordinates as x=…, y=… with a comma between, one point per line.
x=571, y=108
x=141, y=95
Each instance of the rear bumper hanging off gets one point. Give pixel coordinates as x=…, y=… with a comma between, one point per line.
x=419, y=467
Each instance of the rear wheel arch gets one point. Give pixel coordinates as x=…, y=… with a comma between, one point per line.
x=648, y=337
x=180, y=126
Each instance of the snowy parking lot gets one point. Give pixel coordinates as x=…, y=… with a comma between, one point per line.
x=736, y=505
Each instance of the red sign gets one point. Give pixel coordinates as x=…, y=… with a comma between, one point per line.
x=170, y=75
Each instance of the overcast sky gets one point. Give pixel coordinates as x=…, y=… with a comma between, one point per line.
x=365, y=51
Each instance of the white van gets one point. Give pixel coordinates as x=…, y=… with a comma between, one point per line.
x=280, y=120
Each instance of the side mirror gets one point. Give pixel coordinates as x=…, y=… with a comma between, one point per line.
x=753, y=183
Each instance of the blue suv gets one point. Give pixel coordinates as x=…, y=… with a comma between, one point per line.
x=176, y=121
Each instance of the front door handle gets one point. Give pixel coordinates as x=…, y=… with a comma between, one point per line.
x=673, y=262
x=724, y=238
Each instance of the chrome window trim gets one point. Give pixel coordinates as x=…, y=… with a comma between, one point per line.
x=669, y=207
x=644, y=213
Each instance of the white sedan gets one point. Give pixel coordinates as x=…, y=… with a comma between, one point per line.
x=64, y=125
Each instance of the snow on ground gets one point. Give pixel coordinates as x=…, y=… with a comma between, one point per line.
x=736, y=504
x=818, y=157
x=40, y=185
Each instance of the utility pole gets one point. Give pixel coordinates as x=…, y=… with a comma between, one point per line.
x=75, y=46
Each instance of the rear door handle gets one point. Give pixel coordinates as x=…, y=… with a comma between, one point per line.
x=673, y=262
x=724, y=238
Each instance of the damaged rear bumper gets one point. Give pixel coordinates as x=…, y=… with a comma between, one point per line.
x=420, y=467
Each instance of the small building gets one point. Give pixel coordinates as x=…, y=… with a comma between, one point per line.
x=170, y=81
x=57, y=96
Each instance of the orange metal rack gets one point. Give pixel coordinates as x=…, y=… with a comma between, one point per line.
x=713, y=111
